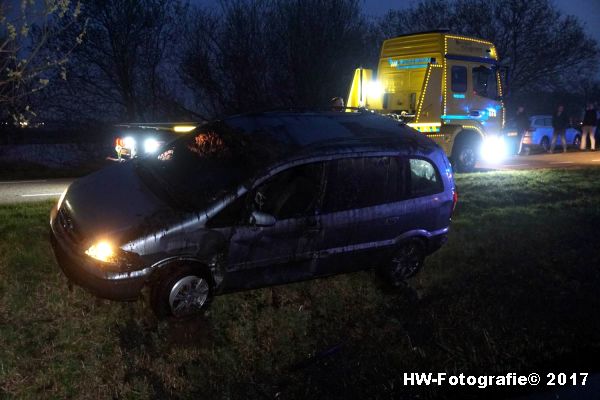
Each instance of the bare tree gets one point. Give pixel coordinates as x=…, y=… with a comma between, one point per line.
x=25, y=32
x=251, y=55
x=123, y=68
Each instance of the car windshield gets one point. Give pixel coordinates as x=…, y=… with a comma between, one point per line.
x=198, y=168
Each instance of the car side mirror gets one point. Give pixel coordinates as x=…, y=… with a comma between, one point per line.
x=259, y=218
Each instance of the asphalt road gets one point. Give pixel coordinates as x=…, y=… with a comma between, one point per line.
x=37, y=190
x=572, y=158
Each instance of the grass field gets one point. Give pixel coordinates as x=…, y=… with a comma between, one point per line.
x=516, y=289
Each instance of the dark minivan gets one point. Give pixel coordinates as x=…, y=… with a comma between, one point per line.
x=256, y=200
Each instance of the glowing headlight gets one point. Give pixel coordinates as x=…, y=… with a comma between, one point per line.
x=374, y=90
x=183, y=128
x=102, y=251
x=151, y=145
x=129, y=142
x=493, y=149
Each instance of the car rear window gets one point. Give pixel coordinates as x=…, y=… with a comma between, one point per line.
x=424, y=178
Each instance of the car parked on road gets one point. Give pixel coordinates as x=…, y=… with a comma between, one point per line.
x=146, y=139
x=256, y=200
x=539, y=135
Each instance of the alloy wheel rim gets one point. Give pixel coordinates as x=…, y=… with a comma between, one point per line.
x=188, y=295
x=405, y=263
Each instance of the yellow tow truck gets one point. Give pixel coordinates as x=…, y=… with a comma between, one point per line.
x=444, y=85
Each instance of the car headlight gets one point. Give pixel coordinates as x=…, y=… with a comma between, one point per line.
x=102, y=251
x=493, y=149
x=151, y=145
x=129, y=142
x=113, y=257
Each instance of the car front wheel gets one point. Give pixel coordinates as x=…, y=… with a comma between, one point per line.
x=407, y=259
x=184, y=293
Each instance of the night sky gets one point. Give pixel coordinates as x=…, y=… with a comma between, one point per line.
x=588, y=11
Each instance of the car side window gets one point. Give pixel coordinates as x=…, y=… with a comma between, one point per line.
x=363, y=182
x=293, y=193
x=459, y=79
x=424, y=178
x=548, y=121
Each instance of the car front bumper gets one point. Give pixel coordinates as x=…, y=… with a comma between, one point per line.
x=89, y=274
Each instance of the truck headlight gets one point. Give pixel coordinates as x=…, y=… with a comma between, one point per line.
x=151, y=145
x=102, y=251
x=493, y=149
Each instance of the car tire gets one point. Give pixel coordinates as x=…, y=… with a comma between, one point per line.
x=545, y=143
x=184, y=292
x=465, y=156
x=407, y=259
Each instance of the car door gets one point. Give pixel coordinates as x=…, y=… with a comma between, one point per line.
x=361, y=213
x=282, y=251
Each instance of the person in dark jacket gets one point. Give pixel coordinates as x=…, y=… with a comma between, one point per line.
x=522, y=124
x=560, y=123
x=589, y=127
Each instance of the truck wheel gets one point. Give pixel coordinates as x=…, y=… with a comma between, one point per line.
x=184, y=293
x=407, y=259
x=465, y=157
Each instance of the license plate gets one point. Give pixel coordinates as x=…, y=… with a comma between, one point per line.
x=511, y=134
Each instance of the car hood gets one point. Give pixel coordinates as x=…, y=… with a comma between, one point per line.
x=114, y=203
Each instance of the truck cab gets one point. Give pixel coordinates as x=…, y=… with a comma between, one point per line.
x=444, y=85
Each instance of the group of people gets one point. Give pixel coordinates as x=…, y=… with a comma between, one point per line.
x=560, y=123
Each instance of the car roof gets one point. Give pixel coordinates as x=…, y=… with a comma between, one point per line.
x=313, y=133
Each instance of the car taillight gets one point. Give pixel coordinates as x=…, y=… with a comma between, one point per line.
x=454, y=199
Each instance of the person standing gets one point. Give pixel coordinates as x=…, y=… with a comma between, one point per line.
x=560, y=123
x=522, y=125
x=589, y=127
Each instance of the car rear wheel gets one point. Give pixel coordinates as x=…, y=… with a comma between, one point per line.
x=545, y=143
x=183, y=293
x=407, y=259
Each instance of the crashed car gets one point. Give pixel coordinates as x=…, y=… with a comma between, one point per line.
x=256, y=200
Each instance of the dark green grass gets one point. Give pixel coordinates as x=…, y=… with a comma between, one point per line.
x=516, y=289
